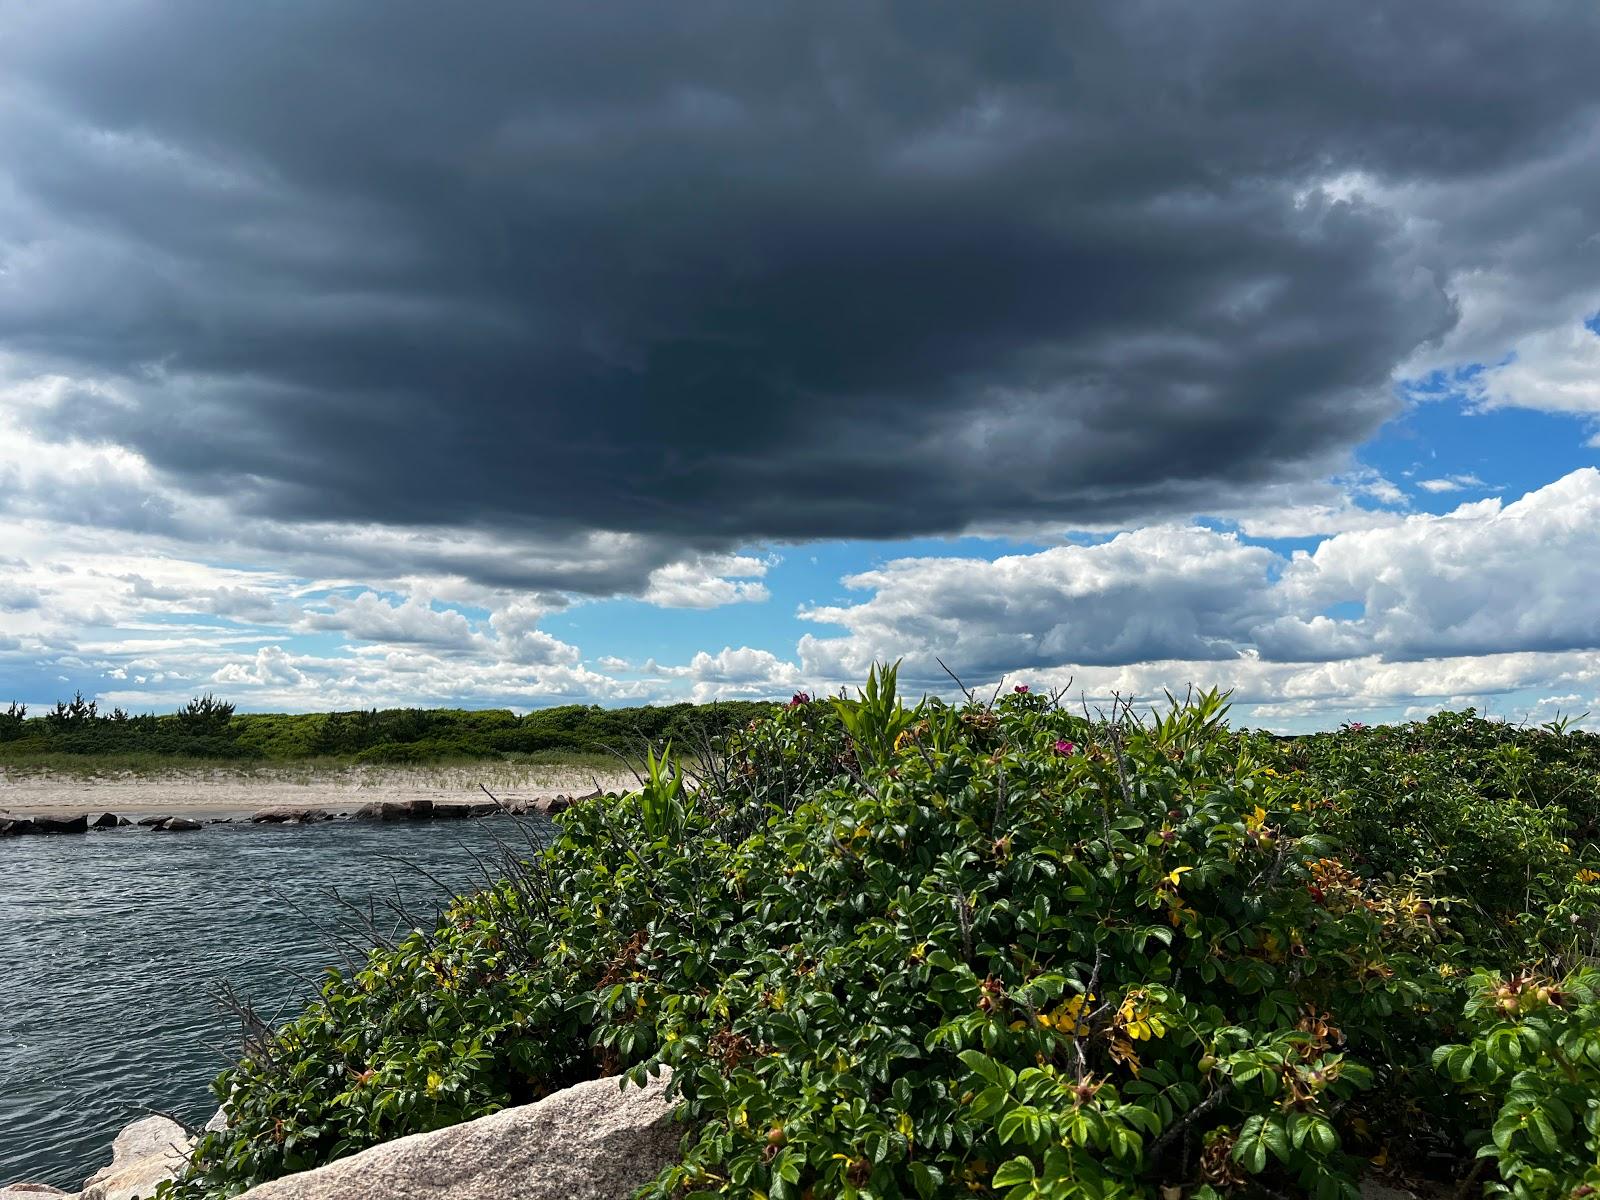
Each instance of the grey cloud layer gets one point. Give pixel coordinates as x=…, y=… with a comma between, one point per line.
x=712, y=274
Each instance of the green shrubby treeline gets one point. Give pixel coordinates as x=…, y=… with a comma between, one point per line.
x=959, y=950
x=209, y=728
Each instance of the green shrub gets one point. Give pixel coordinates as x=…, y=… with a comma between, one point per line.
x=1485, y=807
x=13, y=722
x=955, y=951
x=1532, y=1061
x=209, y=728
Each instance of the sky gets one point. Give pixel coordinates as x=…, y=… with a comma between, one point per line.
x=379, y=352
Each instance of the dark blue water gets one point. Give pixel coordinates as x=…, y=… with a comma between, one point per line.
x=110, y=942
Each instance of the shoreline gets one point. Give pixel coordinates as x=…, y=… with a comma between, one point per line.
x=216, y=793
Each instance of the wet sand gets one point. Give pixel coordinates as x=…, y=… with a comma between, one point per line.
x=215, y=792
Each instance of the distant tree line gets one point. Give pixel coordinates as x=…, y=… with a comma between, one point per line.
x=207, y=727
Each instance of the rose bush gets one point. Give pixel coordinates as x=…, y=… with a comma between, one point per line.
x=990, y=950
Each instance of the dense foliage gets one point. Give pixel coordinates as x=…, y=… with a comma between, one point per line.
x=1010, y=950
x=209, y=728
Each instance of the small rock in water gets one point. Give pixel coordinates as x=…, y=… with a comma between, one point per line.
x=151, y=821
x=177, y=825
x=458, y=810
x=288, y=816
x=27, y=1191
x=396, y=810
x=105, y=820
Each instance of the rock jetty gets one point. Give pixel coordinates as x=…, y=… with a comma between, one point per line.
x=452, y=810
x=14, y=825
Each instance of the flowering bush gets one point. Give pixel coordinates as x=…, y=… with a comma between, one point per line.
x=963, y=950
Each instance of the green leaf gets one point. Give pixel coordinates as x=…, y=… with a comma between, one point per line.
x=983, y=1066
x=1541, y=1131
x=1013, y=1126
x=926, y=1179
x=1015, y=1171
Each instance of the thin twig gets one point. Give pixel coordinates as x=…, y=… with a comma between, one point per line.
x=965, y=691
x=1159, y=1146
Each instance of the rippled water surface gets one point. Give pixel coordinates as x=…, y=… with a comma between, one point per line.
x=111, y=942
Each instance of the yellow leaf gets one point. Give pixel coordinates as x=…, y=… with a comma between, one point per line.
x=1175, y=875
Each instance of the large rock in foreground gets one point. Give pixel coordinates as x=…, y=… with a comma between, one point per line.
x=590, y=1142
x=144, y=1154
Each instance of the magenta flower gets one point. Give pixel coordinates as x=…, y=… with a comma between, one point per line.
x=799, y=699
x=1357, y=726
x=1021, y=689
x=1065, y=747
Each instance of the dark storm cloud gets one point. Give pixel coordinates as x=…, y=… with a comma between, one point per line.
x=725, y=272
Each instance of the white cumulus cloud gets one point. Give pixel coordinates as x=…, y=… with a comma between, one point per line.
x=709, y=581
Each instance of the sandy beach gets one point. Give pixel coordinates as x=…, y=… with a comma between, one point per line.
x=209, y=793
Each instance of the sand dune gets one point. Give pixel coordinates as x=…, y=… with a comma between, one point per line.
x=217, y=792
